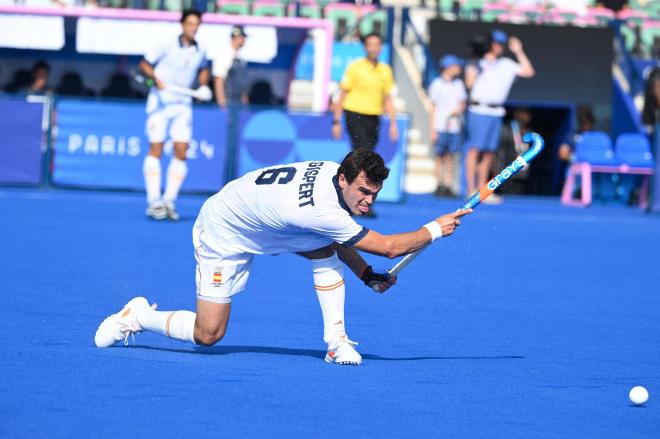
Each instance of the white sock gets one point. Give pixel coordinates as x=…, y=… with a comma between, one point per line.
x=176, y=173
x=330, y=289
x=174, y=324
x=151, y=171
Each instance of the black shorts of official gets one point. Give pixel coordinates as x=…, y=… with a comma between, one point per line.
x=362, y=129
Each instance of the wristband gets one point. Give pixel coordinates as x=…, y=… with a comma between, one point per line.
x=434, y=229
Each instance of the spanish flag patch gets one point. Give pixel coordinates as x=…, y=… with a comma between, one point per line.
x=217, y=276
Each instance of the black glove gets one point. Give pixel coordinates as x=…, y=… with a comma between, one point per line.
x=373, y=280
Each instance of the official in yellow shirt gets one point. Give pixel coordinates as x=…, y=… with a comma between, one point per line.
x=364, y=96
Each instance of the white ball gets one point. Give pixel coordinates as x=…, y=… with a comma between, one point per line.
x=638, y=395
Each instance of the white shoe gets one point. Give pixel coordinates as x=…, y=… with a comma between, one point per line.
x=170, y=211
x=341, y=351
x=120, y=326
x=157, y=210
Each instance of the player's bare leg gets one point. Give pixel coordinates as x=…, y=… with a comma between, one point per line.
x=448, y=172
x=471, y=170
x=176, y=174
x=211, y=322
x=483, y=172
x=328, y=272
x=206, y=327
x=152, y=181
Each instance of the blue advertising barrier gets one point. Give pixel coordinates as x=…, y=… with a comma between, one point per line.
x=21, y=141
x=102, y=144
x=272, y=137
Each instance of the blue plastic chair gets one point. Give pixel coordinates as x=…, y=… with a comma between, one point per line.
x=634, y=149
x=595, y=148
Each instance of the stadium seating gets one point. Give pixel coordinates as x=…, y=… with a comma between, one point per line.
x=233, y=7
x=268, y=9
x=594, y=154
x=344, y=17
x=375, y=21
x=307, y=10
x=651, y=36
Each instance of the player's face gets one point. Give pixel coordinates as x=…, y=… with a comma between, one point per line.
x=190, y=26
x=238, y=42
x=373, y=45
x=497, y=49
x=360, y=194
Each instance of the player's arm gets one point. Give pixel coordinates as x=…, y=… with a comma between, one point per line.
x=461, y=108
x=336, y=117
x=391, y=112
x=203, y=76
x=379, y=282
x=148, y=70
x=392, y=246
x=432, y=130
x=526, y=67
x=351, y=258
x=220, y=70
x=471, y=73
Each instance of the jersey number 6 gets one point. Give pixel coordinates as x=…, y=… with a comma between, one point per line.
x=270, y=175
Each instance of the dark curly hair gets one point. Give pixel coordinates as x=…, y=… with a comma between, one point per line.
x=363, y=159
x=188, y=12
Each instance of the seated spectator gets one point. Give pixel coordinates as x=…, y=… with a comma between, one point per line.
x=261, y=93
x=19, y=82
x=39, y=84
x=586, y=121
x=71, y=84
x=120, y=87
x=651, y=110
x=511, y=146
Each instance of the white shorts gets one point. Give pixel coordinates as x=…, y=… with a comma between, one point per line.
x=179, y=119
x=218, y=277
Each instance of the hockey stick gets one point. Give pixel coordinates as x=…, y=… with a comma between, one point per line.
x=140, y=79
x=505, y=174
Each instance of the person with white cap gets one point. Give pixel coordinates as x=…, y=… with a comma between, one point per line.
x=490, y=82
x=230, y=79
x=448, y=97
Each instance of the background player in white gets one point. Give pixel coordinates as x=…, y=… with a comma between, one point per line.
x=176, y=62
x=447, y=95
x=489, y=84
x=304, y=208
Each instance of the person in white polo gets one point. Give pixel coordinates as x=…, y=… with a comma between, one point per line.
x=490, y=82
x=176, y=62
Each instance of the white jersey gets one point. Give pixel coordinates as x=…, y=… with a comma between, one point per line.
x=175, y=64
x=492, y=86
x=447, y=96
x=288, y=208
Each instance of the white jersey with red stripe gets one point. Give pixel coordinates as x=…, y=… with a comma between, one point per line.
x=280, y=209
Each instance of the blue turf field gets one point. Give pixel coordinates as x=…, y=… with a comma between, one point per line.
x=532, y=321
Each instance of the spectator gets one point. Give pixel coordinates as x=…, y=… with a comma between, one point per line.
x=512, y=146
x=651, y=118
x=490, y=82
x=261, y=93
x=586, y=121
x=19, y=82
x=448, y=97
x=230, y=80
x=651, y=110
x=365, y=93
x=39, y=84
x=364, y=96
x=71, y=84
x=120, y=87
